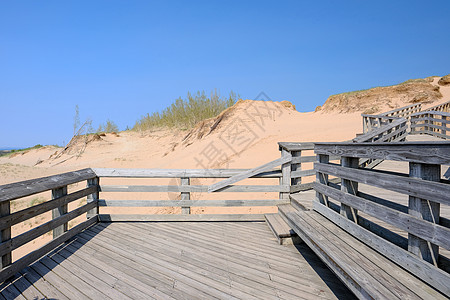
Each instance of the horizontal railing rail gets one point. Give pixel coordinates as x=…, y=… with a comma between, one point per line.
x=371, y=122
x=443, y=107
x=185, y=188
x=373, y=219
x=403, y=112
x=435, y=123
x=58, y=225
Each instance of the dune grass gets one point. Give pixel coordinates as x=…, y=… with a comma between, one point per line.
x=185, y=113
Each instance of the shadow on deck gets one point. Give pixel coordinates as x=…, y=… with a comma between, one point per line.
x=177, y=260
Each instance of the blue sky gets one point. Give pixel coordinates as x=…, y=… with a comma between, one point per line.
x=119, y=60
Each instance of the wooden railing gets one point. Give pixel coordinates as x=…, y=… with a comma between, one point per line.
x=393, y=131
x=58, y=185
x=302, y=174
x=423, y=186
x=443, y=107
x=181, y=182
x=403, y=112
x=433, y=121
x=372, y=122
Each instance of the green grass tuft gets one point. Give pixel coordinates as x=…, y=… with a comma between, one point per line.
x=185, y=113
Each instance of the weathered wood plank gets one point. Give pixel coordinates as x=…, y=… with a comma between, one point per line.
x=30, y=212
x=190, y=203
x=349, y=186
x=249, y=173
x=185, y=209
x=435, y=191
x=180, y=218
x=431, y=232
x=18, y=265
x=395, y=279
x=30, y=187
x=350, y=276
x=29, y=235
x=425, y=271
x=302, y=173
x=193, y=188
x=289, y=146
x=5, y=234
x=285, y=180
x=93, y=184
x=59, y=211
x=420, y=152
x=424, y=209
x=178, y=173
x=378, y=131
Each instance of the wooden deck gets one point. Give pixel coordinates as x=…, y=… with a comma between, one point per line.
x=163, y=260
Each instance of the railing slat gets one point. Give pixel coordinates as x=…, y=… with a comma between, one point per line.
x=435, y=191
x=30, y=187
x=178, y=173
x=189, y=203
x=434, y=233
x=30, y=212
x=193, y=188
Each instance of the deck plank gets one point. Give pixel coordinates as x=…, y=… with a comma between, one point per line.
x=178, y=260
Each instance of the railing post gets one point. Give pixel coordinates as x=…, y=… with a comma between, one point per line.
x=5, y=209
x=285, y=174
x=59, y=211
x=296, y=167
x=444, y=124
x=322, y=178
x=185, y=210
x=350, y=187
x=424, y=209
x=93, y=197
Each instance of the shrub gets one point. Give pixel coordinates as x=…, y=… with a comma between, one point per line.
x=108, y=127
x=185, y=113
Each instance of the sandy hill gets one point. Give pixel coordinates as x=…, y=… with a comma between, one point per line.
x=242, y=136
x=379, y=99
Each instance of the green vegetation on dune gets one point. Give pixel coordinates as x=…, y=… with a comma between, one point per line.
x=20, y=150
x=185, y=113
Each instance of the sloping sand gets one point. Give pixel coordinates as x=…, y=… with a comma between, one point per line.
x=244, y=136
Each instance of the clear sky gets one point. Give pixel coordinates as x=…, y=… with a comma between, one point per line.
x=123, y=59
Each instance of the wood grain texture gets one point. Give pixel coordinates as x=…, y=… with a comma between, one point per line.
x=249, y=173
x=178, y=173
x=30, y=212
x=435, y=191
x=18, y=265
x=420, y=152
x=30, y=187
x=428, y=231
x=424, y=270
x=193, y=188
x=180, y=218
x=189, y=203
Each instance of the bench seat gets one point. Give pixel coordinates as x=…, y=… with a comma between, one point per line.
x=365, y=271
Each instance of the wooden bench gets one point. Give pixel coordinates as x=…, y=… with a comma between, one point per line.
x=365, y=271
x=362, y=229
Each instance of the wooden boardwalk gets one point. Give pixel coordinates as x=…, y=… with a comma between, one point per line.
x=188, y=260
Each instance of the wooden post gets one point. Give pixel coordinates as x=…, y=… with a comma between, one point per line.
x=322, y=178
x=444, y=131
x=296, y=167
x=424, y=209
x=350, y=187
x=92, y=197
x=59, y=211
x=285, y=174
x=5, y=209
x=185, y=210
